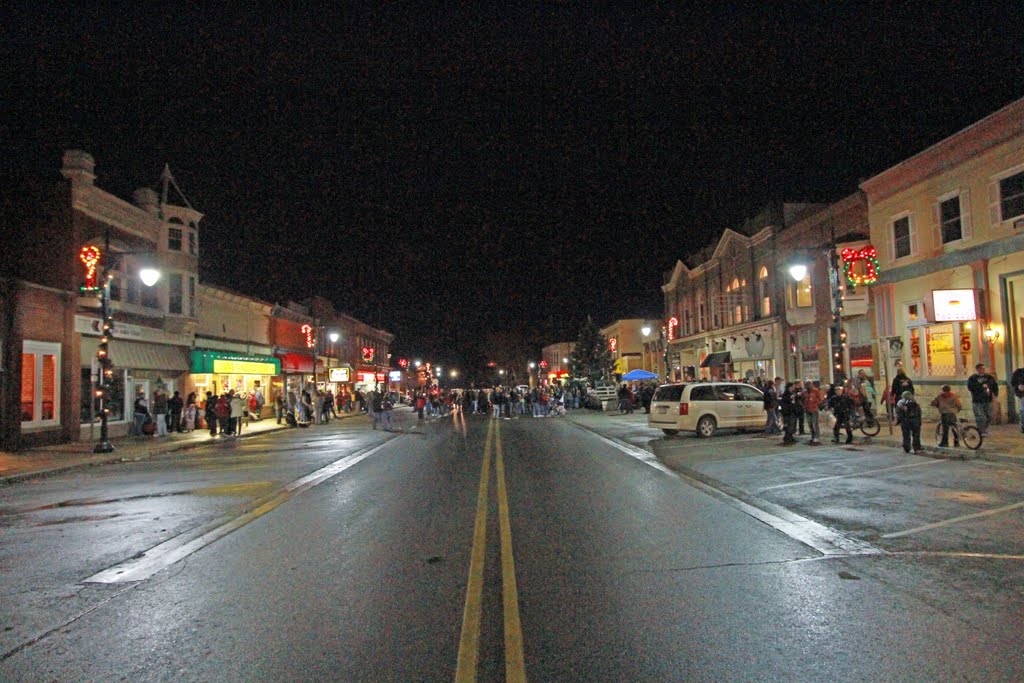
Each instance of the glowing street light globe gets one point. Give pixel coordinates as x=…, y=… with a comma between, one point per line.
x=149, y=276
x=798, y=271
x=645, y=330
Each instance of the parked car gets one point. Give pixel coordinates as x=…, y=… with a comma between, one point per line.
x=706, y=407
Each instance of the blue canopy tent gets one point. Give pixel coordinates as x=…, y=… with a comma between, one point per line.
x=637, y=375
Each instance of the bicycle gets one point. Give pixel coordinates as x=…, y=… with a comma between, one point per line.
x=868, y=424
x=961, y=432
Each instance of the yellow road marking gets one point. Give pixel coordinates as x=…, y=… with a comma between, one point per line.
x=469, y=643
x=515, y=666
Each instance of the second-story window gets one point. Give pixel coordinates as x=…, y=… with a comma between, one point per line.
x=192, y=297
x=949, y=218
x=1011, y=197
x=762, y=290
x=902, y=237
x=800, y=295
x=174, y=293
x=174, y=239
x=193, y=244
x=132, y=284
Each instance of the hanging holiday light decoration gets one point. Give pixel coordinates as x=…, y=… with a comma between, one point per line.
x=308, y=331
x=368, y=355
x=403, y=363
x=673, y=323
x=870, y=257
x=613, y=343
x=90, y=256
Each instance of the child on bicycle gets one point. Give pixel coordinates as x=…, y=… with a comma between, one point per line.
x=949, y=405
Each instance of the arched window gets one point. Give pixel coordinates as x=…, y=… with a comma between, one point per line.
x=762, y=290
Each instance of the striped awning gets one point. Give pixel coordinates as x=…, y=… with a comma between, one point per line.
x=132, y=355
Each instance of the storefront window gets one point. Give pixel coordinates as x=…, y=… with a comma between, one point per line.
x=40, y=396
x=915, y=350
x=115, y=405
x=941, y=351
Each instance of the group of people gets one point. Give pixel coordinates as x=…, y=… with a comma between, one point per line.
x=165, y=413
x=501, y=401
x=631, y=398
x=799, y=404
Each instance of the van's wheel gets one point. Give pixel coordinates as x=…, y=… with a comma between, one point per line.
x=706, y=426
x=671, y=432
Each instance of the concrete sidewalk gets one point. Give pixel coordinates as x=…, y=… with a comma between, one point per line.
x=1003, y=443
x=47, y=460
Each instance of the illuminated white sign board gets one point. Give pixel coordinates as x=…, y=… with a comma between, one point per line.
x=955, y=305
x=340, y=374
x=395, y=375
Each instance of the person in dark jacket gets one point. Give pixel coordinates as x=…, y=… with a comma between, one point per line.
x=908, y=412
x=790, y=408
x=1017, y=384
x=984, y=389
x=210, y=413
x=901, y=383
x=174, y=407
x=842, y=409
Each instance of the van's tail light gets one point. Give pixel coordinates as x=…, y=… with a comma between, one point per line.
x=684, y=408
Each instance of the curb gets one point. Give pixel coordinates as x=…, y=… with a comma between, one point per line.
x=114, y=459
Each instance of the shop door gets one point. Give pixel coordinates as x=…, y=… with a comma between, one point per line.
x=141, y=386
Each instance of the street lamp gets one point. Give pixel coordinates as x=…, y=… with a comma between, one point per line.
x=149, y=277
x=334, y=337
x=798, y=271
x=645, y=330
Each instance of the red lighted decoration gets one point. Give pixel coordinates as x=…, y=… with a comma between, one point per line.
x=308, y=331
x=403, y=363
x=90, y=256
x=367, y=354
x=870, y=257
x=673, y=323
x=543, y=364
x=613, y=342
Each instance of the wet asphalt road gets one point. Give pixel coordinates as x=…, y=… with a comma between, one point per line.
x=711, y=560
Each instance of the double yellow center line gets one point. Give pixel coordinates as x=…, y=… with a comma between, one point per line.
x=469, y=643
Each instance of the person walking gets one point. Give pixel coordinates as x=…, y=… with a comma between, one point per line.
x=908, y=413
x=949, y=405
x=812, y=405
x=139, y=414
x=789, y=406
x=983, y=388
x=1017, y=383
x=842, y=409
x=771, y=409
x=224, y=414
x=160, y=412
x=175, y=406
x=279, y=406
x=210, y=413
x=237, y=410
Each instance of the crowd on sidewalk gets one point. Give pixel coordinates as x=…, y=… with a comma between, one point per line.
x=793, y=407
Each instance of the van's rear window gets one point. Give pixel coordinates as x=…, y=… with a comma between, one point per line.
x=669, y=392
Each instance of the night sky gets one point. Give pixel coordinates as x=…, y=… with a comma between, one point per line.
x=469, y=177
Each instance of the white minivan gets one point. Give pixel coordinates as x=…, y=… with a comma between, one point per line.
x=706, y=407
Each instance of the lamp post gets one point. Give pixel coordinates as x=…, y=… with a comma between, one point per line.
x=149, y=277
x=798, y=271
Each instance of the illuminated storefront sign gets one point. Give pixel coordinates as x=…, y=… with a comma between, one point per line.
x=341, y=374
x=243, y=367
x=395, y=375
x=955, y=305
x=223, y=363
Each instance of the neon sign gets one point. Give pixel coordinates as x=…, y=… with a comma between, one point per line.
x=673, y=323
x=308, y=331
x=612, y=343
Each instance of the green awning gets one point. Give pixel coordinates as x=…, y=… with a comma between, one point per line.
x=227, y=363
